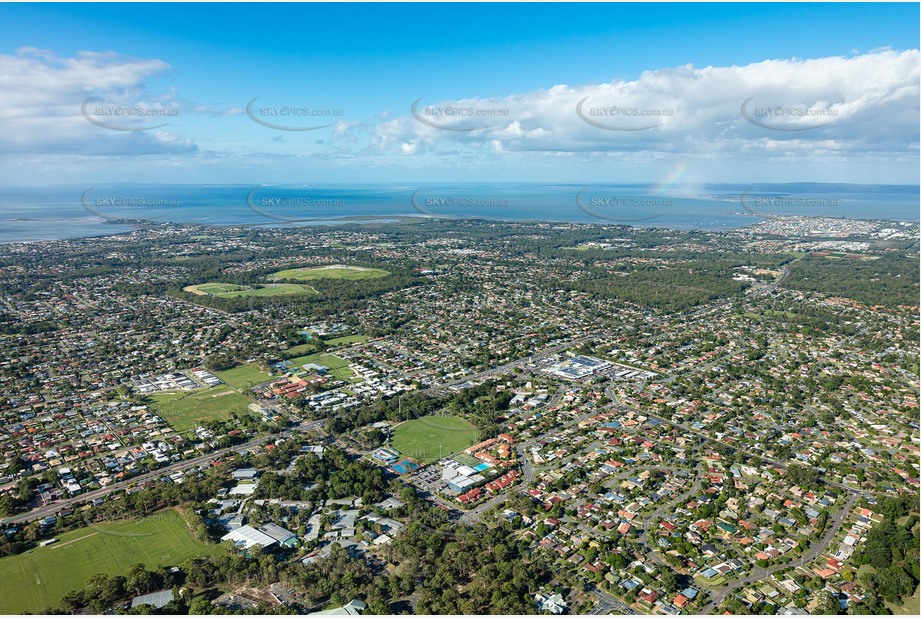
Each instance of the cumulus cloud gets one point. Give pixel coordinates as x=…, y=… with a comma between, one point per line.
x=848, y=114
x=91, y=104
x=409, y=147
x=804, y=106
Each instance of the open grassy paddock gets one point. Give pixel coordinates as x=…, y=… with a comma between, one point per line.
x=348, y=340
x=185, y=411
x=244, y=376
x=330, y=272
x=215, y=288
x=428, y=438
x=41, y=577
x=298, y=350
x=231, y=290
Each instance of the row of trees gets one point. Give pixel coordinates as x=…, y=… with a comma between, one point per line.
x=104, y=591
x=154, y=497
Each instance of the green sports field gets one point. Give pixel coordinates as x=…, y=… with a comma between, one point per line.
x=231, y=290
x=184, y=411
x=298, y=350
x=338, y=367
x=244, y=376
x=39, y=578
x=428, y=438
x=214, y=288
x=334, y=272
x=348, y=340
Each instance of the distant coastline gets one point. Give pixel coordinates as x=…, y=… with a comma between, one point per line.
x=65, y=212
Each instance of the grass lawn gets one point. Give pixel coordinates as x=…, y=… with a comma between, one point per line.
x=338, y=367
x=431, y=437
x=346, y=340
x=39, y=578
x=217, y=288
x=331, y=272
x=298, y=350
x=281, y=289
x=714, y=582
x=244, y=376
x=185, y=411
x=230, y=290
x=910, y=606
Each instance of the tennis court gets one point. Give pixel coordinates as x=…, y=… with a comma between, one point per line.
x=402, y=467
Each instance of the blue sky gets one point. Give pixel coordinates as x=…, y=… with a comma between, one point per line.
x=846, y=76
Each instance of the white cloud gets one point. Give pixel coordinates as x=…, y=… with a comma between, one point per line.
x=45, y=100
x=409, y=148
x=866, y=101
x=687, y=115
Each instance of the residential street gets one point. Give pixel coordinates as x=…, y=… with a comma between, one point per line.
x=811, y=554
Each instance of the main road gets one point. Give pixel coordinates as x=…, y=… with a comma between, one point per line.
x=51, y=509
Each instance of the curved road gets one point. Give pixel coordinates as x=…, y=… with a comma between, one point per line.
x=683, y=496
x=759, y=574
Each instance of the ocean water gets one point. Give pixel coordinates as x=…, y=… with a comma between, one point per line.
x=28, y=215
